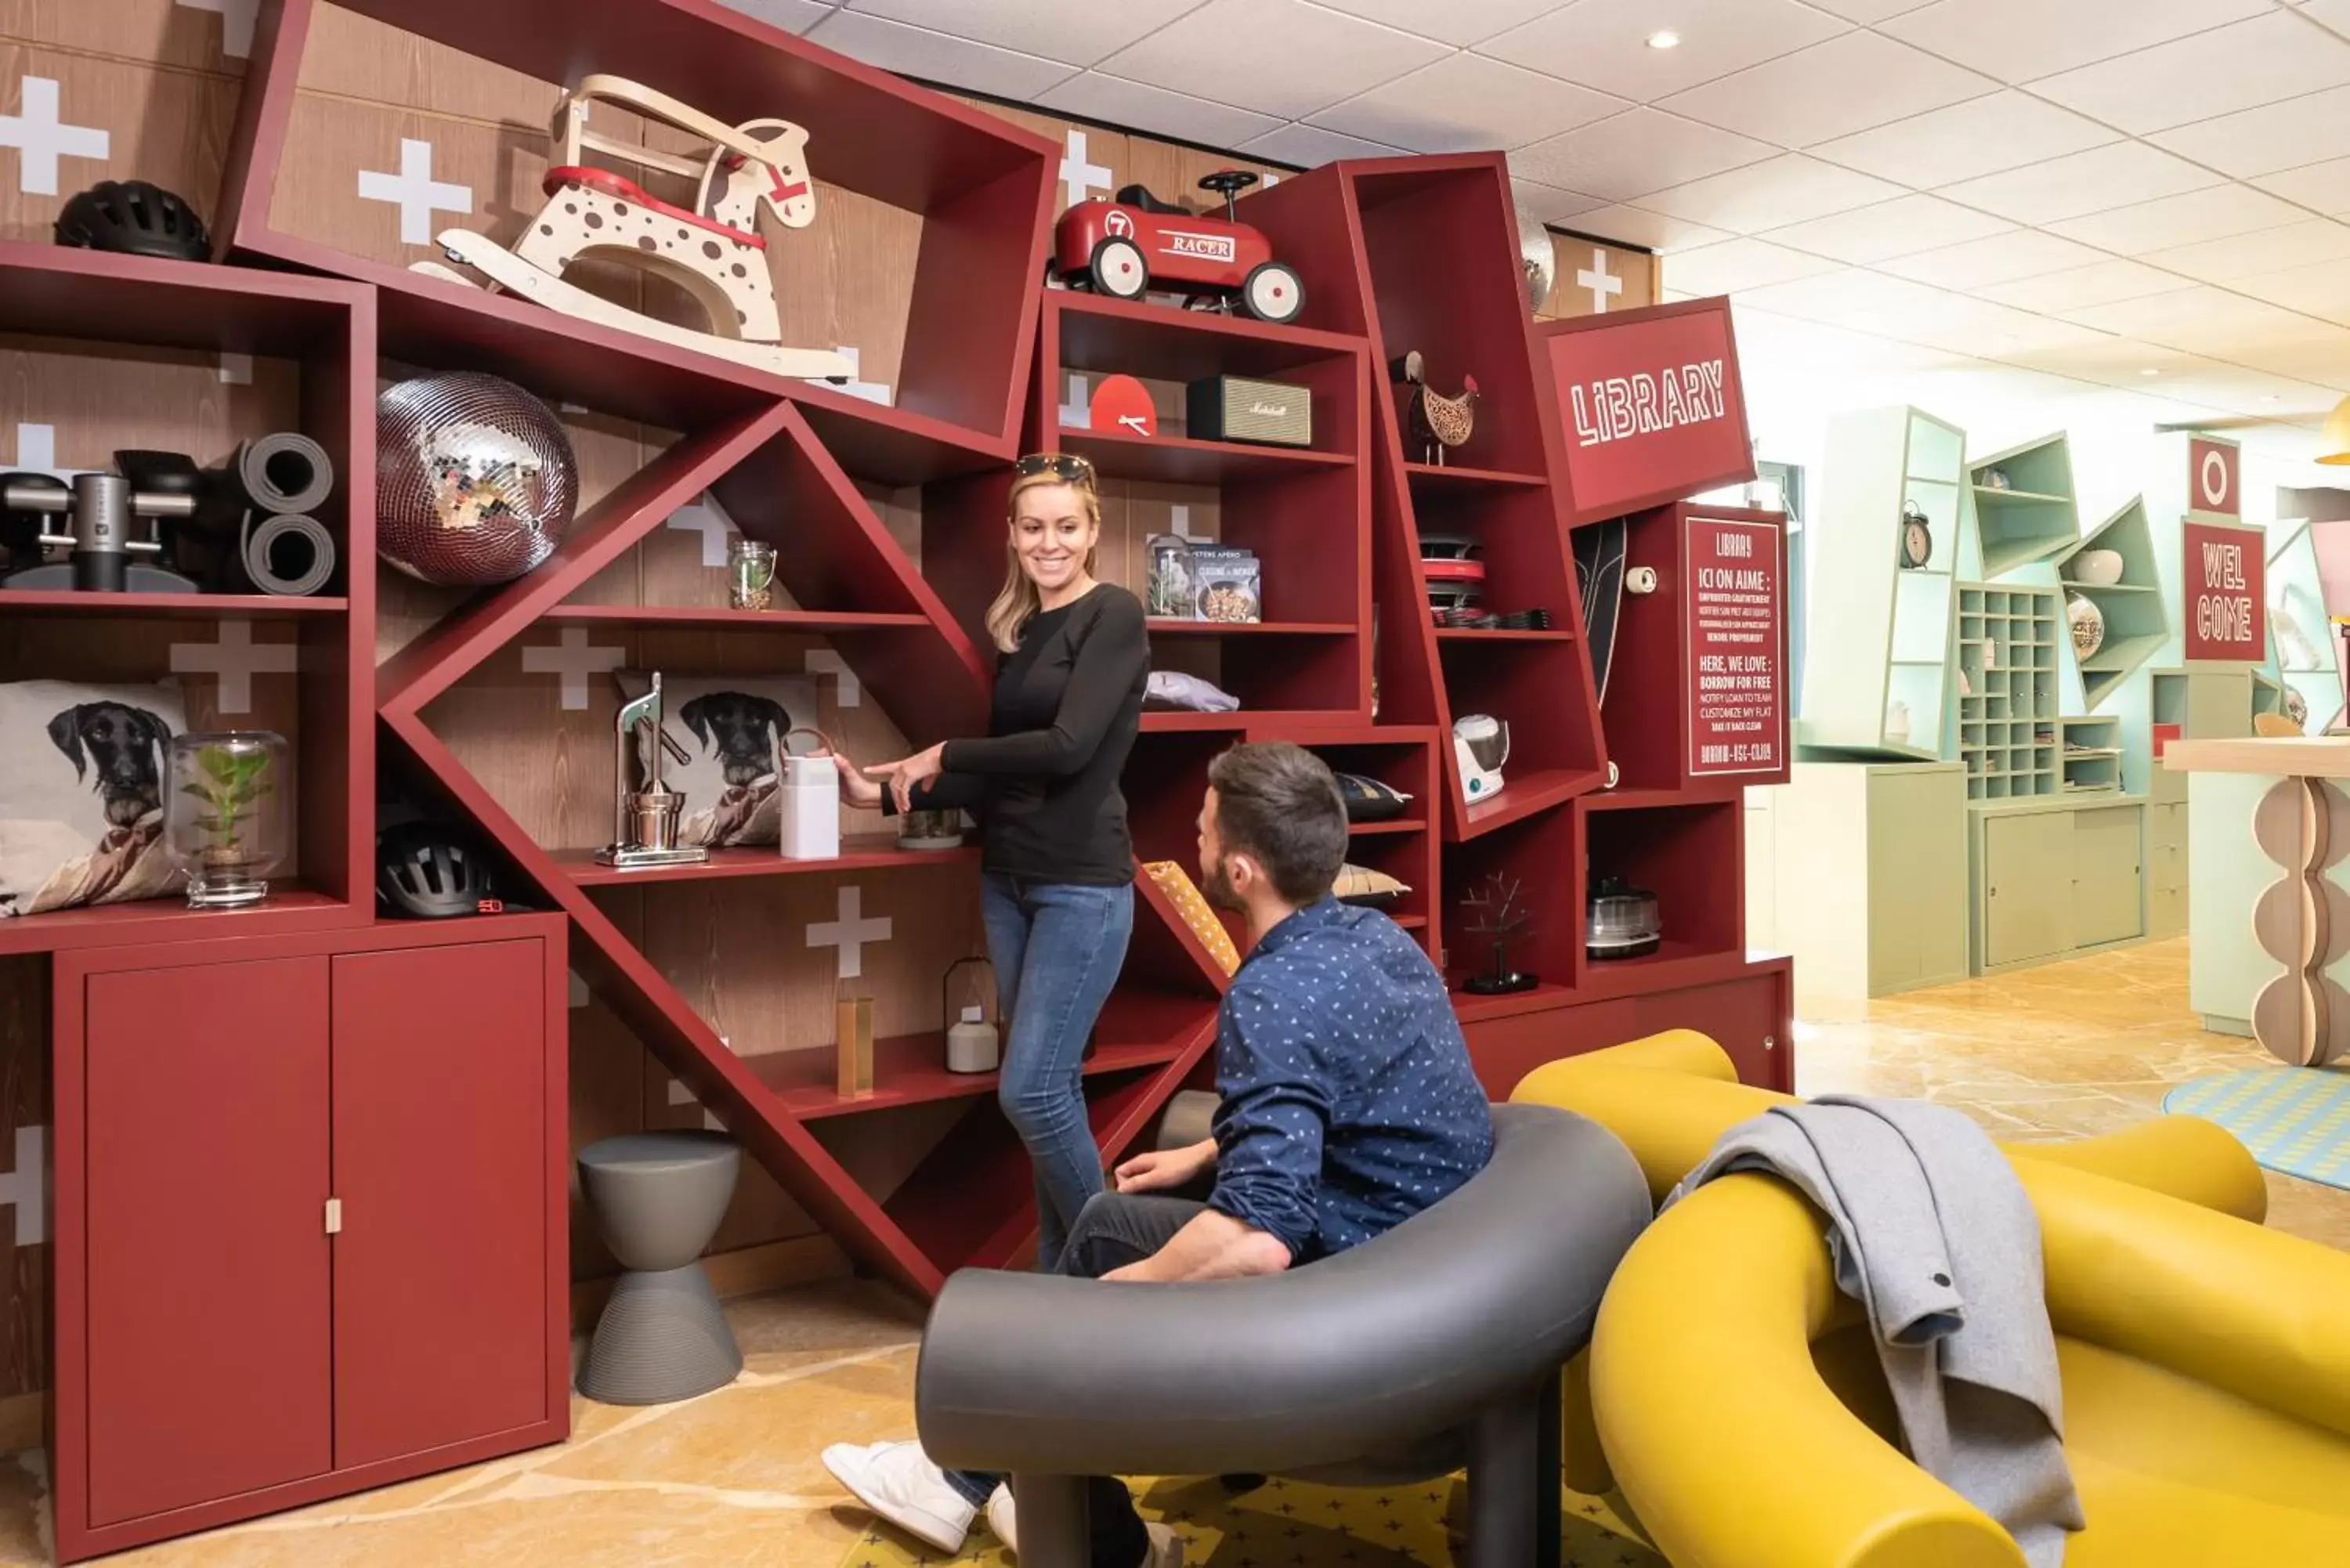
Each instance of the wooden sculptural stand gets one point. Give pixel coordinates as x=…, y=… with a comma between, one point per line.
x=2302, y=919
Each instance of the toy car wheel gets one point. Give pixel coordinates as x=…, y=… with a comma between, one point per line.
x=1118, y=270
x=1273, y=293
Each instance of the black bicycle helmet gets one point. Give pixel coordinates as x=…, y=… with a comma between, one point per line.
x=133, y=217
x=429, y=872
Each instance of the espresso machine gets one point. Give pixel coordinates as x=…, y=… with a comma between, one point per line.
x=645, y=820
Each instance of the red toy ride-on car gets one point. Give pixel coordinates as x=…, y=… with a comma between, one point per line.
x=1126, y=247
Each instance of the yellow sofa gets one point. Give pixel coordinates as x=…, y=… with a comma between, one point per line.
x=1734, y=1396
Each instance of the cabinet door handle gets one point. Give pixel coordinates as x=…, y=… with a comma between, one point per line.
x=333, y=1216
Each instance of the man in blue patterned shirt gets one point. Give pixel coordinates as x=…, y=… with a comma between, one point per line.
x=1348, y=1106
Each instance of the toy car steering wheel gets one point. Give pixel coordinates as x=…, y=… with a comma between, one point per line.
x=1227, y=183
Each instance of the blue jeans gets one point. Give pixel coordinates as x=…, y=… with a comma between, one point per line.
x=1057, y=948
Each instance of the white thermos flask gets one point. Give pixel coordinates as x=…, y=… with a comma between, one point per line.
x=810, y=817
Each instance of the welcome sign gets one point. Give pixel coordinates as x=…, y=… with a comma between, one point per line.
x=1649, y=405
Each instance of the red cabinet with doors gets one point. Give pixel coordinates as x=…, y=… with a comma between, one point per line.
x=310, y=1218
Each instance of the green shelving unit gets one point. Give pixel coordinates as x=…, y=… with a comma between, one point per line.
x=2007, y=649
x=2090, y=753
x=1877, y=674
x=2034, y=515
x=2303, y=656
x=2136, y=626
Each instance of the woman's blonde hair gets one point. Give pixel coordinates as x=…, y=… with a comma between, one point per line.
x=1018, y=600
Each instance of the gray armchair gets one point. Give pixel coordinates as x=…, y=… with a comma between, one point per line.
x=1438, y=1344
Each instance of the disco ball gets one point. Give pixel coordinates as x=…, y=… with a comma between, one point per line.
x=476, y=481
x=1540, y=258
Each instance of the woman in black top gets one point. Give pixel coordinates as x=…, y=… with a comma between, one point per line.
x=1056, y=866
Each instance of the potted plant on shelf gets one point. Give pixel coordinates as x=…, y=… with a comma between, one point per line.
x=228, y=816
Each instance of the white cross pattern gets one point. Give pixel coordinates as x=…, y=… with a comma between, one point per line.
x=415, y=192
x=1599, y=281
x=679, y=1094
x=709, y=519
x=1080, y=179
x=236, y=22
x=1076, y=414
x=575, y=660
x=236, y=369
x=850, y=931
x=1182, y=523
x=825, y=661
x=236, y=659
x=40, y=137
x=871, y=392
x=21, y=1189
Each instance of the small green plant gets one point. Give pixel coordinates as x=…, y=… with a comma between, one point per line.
x=233, y=782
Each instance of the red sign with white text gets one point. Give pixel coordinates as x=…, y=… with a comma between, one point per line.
x=1650, y=405
x=1737, y=632
x=2225, y=606
x=2211, y=477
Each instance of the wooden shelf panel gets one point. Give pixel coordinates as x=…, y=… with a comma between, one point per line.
x=716, y=620
x=1179, y=460
x=1523, y=795
x=1432, y=479
x=1376, y=829
x=911, y=1069
x=1161, y=626
x=874, y=852
x=169, y=607
x=108, y=299
x=295, y=907
x=1101, y=334
x=1502, y=634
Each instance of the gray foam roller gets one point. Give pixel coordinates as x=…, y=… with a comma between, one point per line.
x=659, y=1196
x=662, y=1337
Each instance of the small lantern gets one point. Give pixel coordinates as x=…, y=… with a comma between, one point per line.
x=972, y=1039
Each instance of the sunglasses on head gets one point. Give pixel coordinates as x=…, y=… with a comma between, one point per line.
x=1067, y=466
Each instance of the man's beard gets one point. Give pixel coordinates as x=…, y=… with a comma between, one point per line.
x=1218, y=888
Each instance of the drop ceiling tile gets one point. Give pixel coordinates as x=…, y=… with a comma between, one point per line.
x=2322, y=187
x=2017, y=40
x=1465, y=102
x=1633, y=153
x=1308, y=146
x=1981, y=136
x=1080, y=31
x=2261, y=251
x=2077, y=288
x=2081, y=182
x=2001, y=258
x=1456, y=22
x=2323, y=291
x=1865, y=12
x=1899, y=227
x=1742, y=264
x=2275, y=136
x=1851, y=296
x=1650, y=230
x=1548, y=204
x=1281, y=57
x=2105, y=360
x=2260, y=60
x=2318, y=352
x=2184, y=220
x=792, y=16
x=1093, y=95
x=937, y=56
x=1835, y=88
x=2331, y=15
x=1769, y=194
x=2201, y=319
x=1603, y=43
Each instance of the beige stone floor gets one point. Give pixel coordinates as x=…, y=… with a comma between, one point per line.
x=732, y=1479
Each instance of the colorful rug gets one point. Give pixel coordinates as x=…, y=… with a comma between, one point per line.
x=2293, y=1119
x=1288, y=1524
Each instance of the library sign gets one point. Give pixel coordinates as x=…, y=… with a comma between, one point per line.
x=1650, y=406
x=1737, y=632
x=2225, y=607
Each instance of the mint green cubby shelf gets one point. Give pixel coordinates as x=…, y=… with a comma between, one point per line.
x=2034, y=515
x=2303, y=657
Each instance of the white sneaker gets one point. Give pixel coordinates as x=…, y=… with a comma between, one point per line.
x=899, y=1483
x=1166, y=1546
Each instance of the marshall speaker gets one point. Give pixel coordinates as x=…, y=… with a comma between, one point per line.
x=1233, y=408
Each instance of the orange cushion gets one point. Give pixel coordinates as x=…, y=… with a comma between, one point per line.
x=1193, y=905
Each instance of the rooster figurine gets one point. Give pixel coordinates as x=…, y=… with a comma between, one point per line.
x=1436, y=422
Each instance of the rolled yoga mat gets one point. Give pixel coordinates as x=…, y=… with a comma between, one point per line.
x=285, y=473
x=286, y=556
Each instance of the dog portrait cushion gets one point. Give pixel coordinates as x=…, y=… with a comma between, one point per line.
x=81, y=792
x=731, y=727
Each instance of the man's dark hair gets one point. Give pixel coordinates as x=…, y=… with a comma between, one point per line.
x=1278, y=805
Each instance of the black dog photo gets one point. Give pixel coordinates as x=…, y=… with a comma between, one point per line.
x=732, y=727
x=81, y=793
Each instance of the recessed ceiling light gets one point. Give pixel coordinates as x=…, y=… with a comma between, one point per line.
x=2149, y=371
x=1667, y=40
x=2270, y=398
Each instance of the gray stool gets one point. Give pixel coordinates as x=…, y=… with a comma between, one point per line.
x=659, y=1197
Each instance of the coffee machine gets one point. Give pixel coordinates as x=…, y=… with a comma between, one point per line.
x=645, y=819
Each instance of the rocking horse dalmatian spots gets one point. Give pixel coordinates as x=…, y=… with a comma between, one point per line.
x=712, y=250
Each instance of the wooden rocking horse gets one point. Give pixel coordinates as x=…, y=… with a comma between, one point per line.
x=713, y=250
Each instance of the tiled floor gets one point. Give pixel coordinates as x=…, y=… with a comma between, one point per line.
x=732, y=1479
